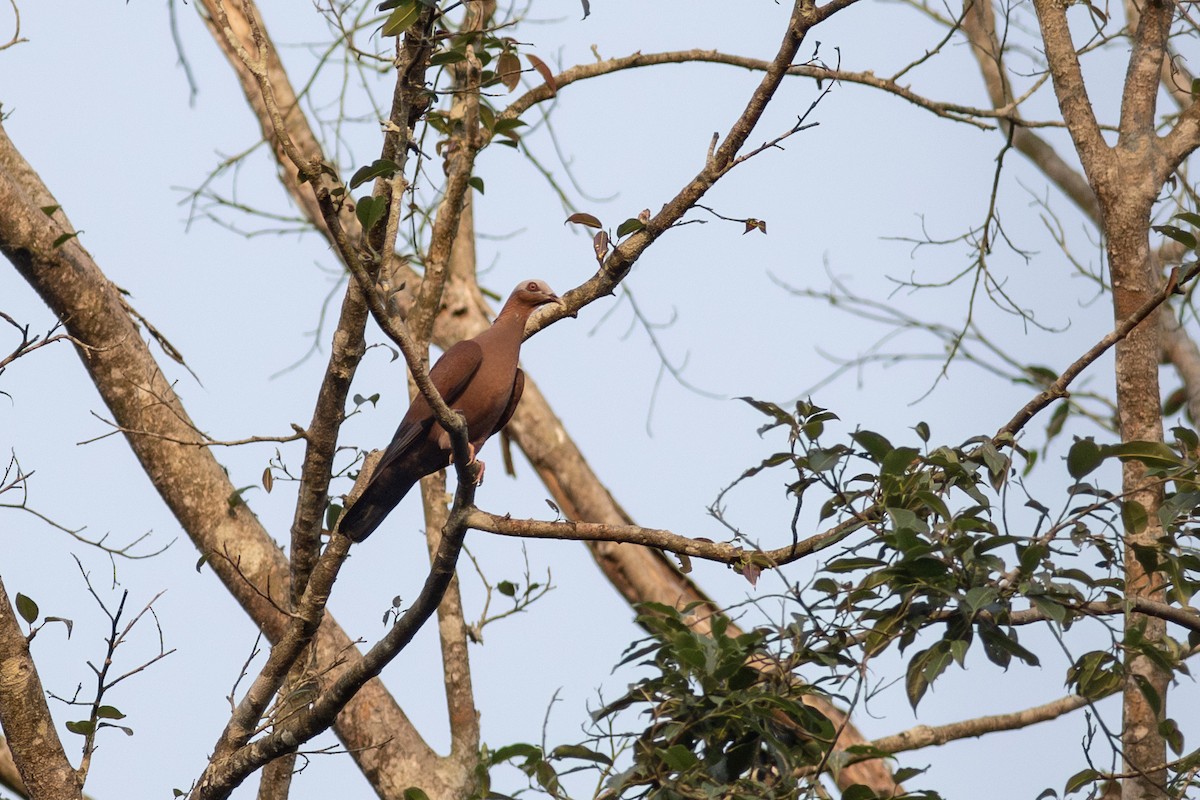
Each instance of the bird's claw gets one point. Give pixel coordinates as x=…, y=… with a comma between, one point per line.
x=471, y=459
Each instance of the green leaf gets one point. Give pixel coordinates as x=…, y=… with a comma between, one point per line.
x=447, y=57
x=922, y=430
x=63, y=239
x=1049, y=608
x=1169, y=730
x=1152, y=454
x=333, y=512
x=852, y=563
x=924, y=669
x=678, y=757
x=1189, y=218
x=476, y=183
x=505, y=127
x=369, y=211
x=1134, y=516
x=631, y=225
x=49, y=210
x=1095, y=675
x=413, y=793
x=1080, y=779
x=235, y=499
x=908, y=773
x=83, y=727
x=516, y=750
x=859, y=792
x=546, y=777
x=379, y=168
x=1084, y=456
x=876, y=445
x=27, y=608
x=109, y=712
x=1178, y=234
x=980, y=597
x=507, y=588
x=581, y=752
x=402, y=18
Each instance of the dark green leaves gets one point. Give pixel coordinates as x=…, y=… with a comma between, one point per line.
x=27, y=608
x=1095, y=675
x=1083, y=457
x=402, y=17
x=369, y=211
x=380, y=168
x=63, y=239
x=631, y=225
x=333, y=512
x=924, y=669
x=1178, y=234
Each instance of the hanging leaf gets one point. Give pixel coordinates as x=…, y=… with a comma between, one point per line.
x=369, y=211
x=544, y=71
x=600, y=245
x=753, y=224
x=508, y=70
x=268, y=480
x=1083, y=457
x=1178, y=234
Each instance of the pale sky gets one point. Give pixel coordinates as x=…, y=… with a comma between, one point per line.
x=97, y=102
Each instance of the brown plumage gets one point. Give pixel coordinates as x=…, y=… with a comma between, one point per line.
x=477, y=377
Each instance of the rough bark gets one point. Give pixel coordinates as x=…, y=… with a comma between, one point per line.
x=187, y=476
x=1126, y=179
x=37, y=751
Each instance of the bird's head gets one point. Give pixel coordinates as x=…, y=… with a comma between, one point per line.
x=531, y=294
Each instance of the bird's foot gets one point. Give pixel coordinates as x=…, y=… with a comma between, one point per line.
x=471, y=459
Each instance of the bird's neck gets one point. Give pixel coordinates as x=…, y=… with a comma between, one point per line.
x=509, y=326
x=513, y=317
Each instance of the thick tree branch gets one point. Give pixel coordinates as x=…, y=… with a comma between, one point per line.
x=1071, y=91
x=36, y=749
x=721, y=552
x=223, y=775
x=191, y=482
x=1139, y=99
x=979, y=26
x=932, y=736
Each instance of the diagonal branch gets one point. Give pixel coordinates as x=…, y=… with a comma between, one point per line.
x=25, y=717
x=1071, y=90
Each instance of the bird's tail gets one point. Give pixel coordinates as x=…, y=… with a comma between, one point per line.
x=375, y=503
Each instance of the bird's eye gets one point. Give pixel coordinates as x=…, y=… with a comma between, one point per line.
x=532, y=286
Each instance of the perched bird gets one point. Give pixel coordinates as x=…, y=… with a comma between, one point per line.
x=477, y=377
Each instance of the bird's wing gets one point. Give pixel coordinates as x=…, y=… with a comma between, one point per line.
x=450, y=376
x=518, y=388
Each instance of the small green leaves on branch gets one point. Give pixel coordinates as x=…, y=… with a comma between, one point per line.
x=380, y=168
x=404, y=15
